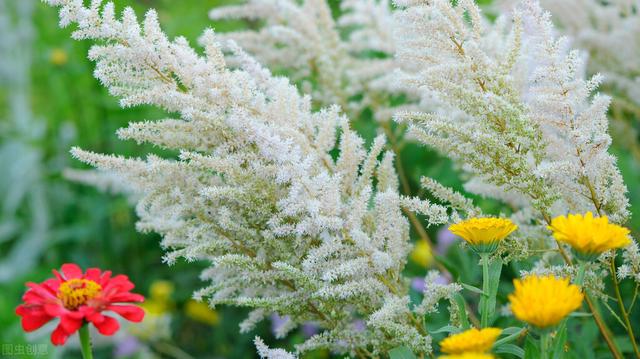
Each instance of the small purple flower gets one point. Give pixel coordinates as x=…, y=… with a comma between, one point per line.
x=310, y=329
x=418, y=284
x=443, y=279
x=359, y=325
x=277, y=322
x=445, y=239
x=126, y=347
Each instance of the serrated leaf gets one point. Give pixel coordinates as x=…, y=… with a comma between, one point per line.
x=401, y=353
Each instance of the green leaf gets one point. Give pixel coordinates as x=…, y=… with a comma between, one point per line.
x=495, y=269
x=472, y=288
x=510, y=349
x=531, y=348
x=580, y=314
x=559, y=341
x=512, y=333
x=401, y=353
x=445, y=329
x=462, y=309
x=511, y=330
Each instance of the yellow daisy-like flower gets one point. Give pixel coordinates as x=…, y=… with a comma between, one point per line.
x=421, y=253
x=589, y=235
x=468, y=356
x=201, y=312
x=483, y=234
x=470, y=341
x=543, y=301
x=58, y=57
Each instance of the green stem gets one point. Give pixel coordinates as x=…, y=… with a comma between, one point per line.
x=484, y=319
x=85, y=342
x=623, y=310
x=582, y=266
x=544, y=345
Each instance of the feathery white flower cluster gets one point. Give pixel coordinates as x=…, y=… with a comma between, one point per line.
x=347, y=62
x=608, y=30
x=532, y=133
x=255, y=191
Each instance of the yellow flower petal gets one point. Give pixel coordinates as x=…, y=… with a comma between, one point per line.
x=483, y=233
x=543, y=301
x=468, y=356
x=588, y=234
x=472, y=340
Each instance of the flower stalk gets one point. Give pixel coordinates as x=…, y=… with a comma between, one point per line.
x=485, y=301
x=85, y=342
x=623, y=310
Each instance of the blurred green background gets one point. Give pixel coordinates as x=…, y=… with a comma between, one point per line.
x=49, y=101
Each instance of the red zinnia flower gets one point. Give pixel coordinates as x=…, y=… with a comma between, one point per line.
x=78, y=298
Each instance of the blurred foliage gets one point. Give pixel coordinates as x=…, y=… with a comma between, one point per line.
x=74, y=223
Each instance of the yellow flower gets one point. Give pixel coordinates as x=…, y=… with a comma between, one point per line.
x=159, y=300
x=467, y=356
x=201, y=312
x=58, y=57
x=470, y=341
x=483, y=234
x=543, y=301
x=161, y=290
x=589, y=235
x=422, y=254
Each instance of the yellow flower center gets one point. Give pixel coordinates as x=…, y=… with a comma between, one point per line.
x=76, y=292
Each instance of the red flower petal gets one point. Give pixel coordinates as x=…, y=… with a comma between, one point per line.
x=107, y=326
x=128, y=312
x=93, y=274
x=126, y=297
x=59, y=336
x=71, y=271
x=54, y=309
x=70, y=324
x=32, y=319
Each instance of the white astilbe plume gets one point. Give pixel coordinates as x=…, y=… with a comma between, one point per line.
x=609, y=31
x=285, y=226
x=532, y=134
x=267, y=353
x=348, y=61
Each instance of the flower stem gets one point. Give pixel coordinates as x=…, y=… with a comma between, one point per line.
x=85, y=342
x=582, y=266
x=484, y=319
x=623, y=310
x=544, y=345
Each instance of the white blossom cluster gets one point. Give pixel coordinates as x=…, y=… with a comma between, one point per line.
x=348, y=61
x=294, y=213
x=255, y=191
x=609, y=31
x=533, y=133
